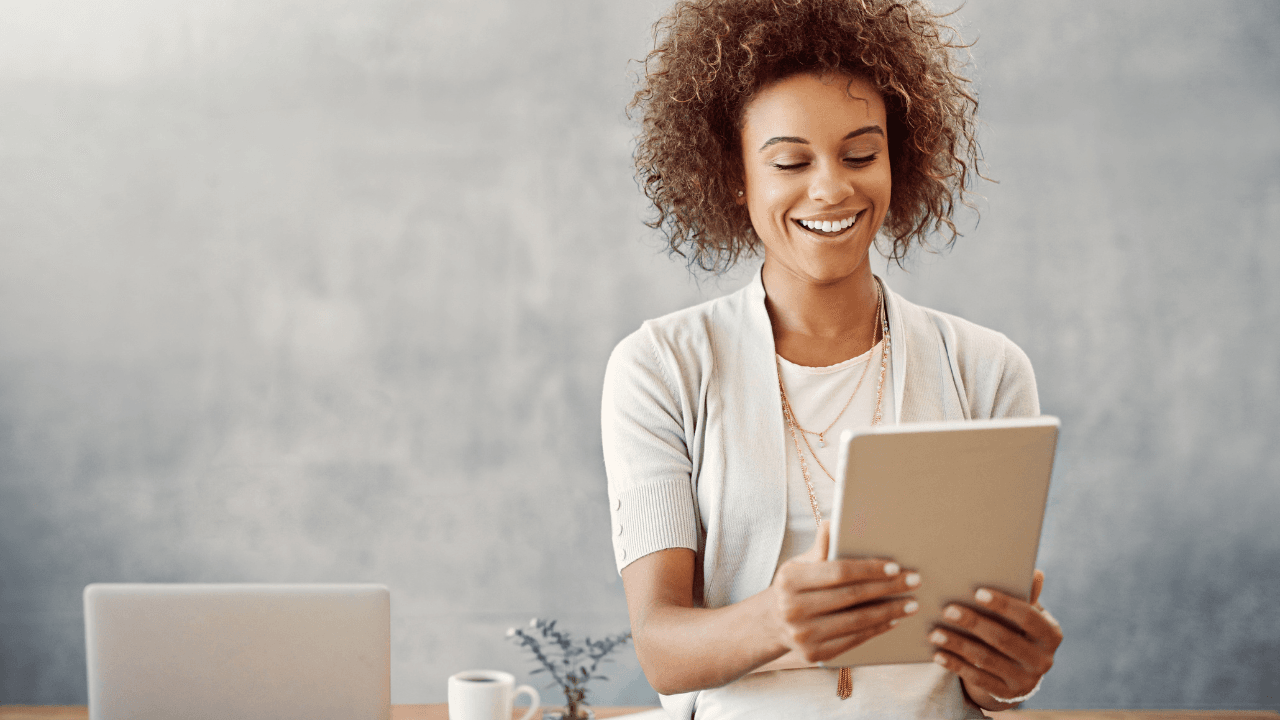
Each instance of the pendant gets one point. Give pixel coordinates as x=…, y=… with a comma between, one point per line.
x=822, y=442
x=844, y=684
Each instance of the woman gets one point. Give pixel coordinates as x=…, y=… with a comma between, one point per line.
x=802, y=129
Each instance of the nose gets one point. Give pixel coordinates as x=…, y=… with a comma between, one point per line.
x=831, y=183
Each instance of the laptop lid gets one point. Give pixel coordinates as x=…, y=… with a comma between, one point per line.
x=164, y=651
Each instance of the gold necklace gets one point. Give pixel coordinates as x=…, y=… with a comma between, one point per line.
x=822, y=440
x=790, y=415
x=844, y=684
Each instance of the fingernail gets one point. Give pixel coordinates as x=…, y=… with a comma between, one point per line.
x=940, y=659
x=937, y=638
x=984, y=596
x=910, y=607
x=913, y=579
x=893, y=622
x=951, y=613
x=891, y=568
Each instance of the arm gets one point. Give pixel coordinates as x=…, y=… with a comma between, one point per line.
x=815, y=609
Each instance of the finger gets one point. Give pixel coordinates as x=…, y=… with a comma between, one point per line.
x=808, y=576
x=833, y=626
x=821, y=539
x=1037, y=584
x=837, y=646
x=863, y=618
x=1030, y=656
x=1039, y=626
x=974, y=677
x=823, y=601
x=982, y=657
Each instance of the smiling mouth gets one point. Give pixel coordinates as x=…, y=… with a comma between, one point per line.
x=828, y=228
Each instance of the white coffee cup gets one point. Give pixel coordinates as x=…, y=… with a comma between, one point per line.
x=487, y=695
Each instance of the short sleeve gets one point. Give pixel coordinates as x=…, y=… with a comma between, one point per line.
x=644, y=416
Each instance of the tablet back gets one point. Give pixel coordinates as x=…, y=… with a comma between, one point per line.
x=160, y=651
x=960, y=503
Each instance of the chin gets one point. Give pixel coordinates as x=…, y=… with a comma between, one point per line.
x=830, y=274
x=838, y=263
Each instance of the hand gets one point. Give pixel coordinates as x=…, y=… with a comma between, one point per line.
x=1002, y=651
x=822, y=608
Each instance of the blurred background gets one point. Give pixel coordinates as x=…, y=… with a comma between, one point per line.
x=323, y=291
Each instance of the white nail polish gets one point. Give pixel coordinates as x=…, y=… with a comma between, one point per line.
x=952, y=613
x=913, y=580
x=891, y=568
x=910, y=607
x=984, y=596
x=937, y=637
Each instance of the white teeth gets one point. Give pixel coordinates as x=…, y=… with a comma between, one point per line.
x=828, y=225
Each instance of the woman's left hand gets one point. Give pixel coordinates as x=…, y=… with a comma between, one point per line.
x=1001, y=652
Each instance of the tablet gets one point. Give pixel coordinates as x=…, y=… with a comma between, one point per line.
x=962, y=503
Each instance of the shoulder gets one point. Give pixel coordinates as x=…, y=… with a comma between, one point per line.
x=994, y=373
x=681, y=342
x=978, y=344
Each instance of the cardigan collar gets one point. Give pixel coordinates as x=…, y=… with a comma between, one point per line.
x=745, y=351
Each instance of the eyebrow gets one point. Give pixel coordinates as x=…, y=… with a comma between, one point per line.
x=874, y=129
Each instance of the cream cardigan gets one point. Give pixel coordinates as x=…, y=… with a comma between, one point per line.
x=694, y=444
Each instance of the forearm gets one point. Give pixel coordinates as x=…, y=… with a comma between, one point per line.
x=682, y=649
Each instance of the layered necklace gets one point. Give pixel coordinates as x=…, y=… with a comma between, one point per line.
x=844, y=687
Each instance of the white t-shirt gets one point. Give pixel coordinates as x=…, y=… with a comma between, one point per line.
x=816, y=395
x=922, y=690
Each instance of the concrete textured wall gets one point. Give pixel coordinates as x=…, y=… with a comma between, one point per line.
x=323, y=291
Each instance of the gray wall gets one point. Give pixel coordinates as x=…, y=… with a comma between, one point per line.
x=323, y=291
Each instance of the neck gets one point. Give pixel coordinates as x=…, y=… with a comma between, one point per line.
x=819, y=324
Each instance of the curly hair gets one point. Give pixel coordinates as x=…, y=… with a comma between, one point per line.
x=712, y=56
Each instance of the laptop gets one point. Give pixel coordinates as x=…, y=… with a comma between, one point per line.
x=250, y=652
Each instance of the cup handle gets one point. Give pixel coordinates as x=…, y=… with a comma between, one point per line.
x=534, y=700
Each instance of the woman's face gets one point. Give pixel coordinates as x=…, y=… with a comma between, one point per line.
x=816, y=174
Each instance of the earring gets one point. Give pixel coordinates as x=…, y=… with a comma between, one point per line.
x=739, y=193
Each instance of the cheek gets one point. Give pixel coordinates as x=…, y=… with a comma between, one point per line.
x=774, y=197
x=774, y=200
x=768, y=201
x=881, y=185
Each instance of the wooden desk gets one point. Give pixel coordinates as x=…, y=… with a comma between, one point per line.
x=441, y=712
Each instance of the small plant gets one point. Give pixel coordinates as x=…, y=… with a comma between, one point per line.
x=575, y=662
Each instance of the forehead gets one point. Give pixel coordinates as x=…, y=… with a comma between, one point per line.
x=812, y=106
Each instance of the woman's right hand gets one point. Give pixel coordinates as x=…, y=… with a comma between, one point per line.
x=822, y=608
x=814, y=610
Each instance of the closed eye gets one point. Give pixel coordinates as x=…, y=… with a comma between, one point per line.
x=854, y=161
